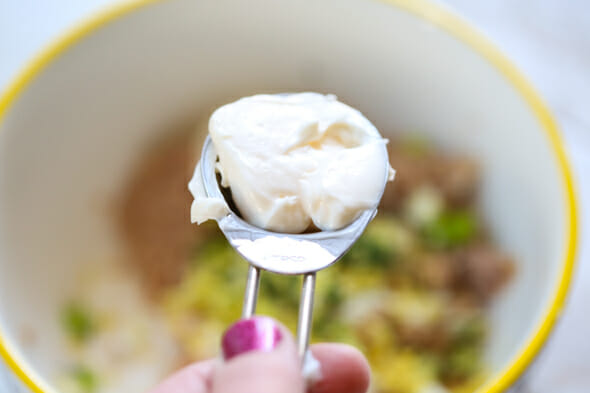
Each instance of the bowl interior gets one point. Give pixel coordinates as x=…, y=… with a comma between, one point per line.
x=68, y=141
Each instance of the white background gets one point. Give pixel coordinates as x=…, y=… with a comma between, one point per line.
x=550, y=42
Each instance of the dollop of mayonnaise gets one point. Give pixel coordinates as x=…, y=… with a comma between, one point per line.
x=293, y=160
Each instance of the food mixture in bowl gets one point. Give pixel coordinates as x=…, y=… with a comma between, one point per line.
x=411, y=294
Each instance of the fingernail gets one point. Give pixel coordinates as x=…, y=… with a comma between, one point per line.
x=253, y=334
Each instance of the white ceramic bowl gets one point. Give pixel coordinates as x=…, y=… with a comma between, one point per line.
x=77, y=118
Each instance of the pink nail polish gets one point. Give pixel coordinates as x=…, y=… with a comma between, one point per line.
x=253, y=334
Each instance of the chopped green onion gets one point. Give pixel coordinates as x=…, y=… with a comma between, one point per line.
x=461, y=363
x=334, y=296
x=451, y=229
x=85, y=379
x=77, y=322
x=472, y=331
x=379, y=246
x=283, y=288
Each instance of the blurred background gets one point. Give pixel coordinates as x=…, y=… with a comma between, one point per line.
x=549, y=40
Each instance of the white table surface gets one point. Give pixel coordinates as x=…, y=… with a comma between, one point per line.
x=548, y=39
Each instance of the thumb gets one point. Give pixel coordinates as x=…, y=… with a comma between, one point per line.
x=260, y=357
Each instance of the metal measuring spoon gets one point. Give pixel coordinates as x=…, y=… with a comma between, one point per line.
x=282, y=253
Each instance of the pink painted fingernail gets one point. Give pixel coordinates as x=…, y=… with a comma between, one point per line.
x=253, y=334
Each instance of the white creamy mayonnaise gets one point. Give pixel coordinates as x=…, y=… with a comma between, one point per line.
x=292, y=160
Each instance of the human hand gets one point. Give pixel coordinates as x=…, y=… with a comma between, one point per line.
x=261, y=357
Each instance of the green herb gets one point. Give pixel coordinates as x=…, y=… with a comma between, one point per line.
x=371, y=252
x=84, y=378
x=470, y=332
x=451, y=229
x=379, y=246
x=334, y=297
x=461, y=363
x=77, y=322
x=283, y=288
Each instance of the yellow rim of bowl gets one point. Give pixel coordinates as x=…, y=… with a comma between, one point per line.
x=453, y=25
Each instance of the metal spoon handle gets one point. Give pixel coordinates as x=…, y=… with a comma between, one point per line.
x=305, y=305
x=305, y=313
x=251, y=295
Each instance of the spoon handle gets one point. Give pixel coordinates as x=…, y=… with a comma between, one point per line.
x=305, y=313
x=305, y=305
x=251, y=295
